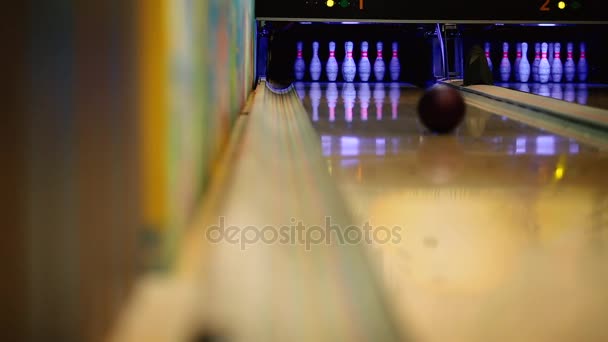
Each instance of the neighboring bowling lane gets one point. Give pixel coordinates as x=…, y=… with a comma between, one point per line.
x=503, y=227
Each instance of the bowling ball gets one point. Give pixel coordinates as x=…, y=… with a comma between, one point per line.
x=441, y=109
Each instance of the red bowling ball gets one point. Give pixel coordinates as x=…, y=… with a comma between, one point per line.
x=441, y=109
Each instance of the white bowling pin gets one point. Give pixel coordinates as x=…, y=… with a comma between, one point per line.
x=556, y=67
x=315, y=63
x=300, y=65
x=524, y=64
x=332, y=98
x=365, y=67
x=364, y=96
x=394, y=66
x=349, y=95
x=332, y=64
x=394, y=94
x=536, y=62
x=569, y=66
x=582, y=64
x=544, y=69
x=379, y=95
x=517, y=61
x=505, y=64
x=556, y=91
x=379, y=67
x=550, y=54
x=487, y=50
x=582, y=93
x=569, y=92
x=349, y=68
x=315, y=98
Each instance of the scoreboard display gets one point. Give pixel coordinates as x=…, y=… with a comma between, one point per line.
x=453, y=11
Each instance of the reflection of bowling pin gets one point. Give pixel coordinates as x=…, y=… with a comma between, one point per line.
x=556, y=91
x=517, y=61
x=544, y=90
x=332, y=64
x=349, y=68
x=524, y=87
x=569, y=67
x=394, y=93
x=364, y=96
x=487, y=50
x=524, y=64
x=300, y=90
x=550, y=54
x=315, y=63
x=379, y=66
x=536, y=62
x=582, y=93
x=556, y=67
x=543, y=66
x=299, y=66
x=394, y=66
x=569, y=93
x=365, y=67
x=349, y=94
x=379, y=96
x=332, y=97
x=505, y=65
x=582, y=64
x=315, y=98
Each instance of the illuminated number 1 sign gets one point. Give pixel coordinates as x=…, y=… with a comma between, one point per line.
x=545, y=6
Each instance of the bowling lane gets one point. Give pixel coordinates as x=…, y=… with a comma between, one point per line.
x=588, y=94
x=498, y=232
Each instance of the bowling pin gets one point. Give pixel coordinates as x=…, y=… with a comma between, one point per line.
x=524, y=65
x=517, y=61
x=569, y=92
x=300, y=65
x=582, y=64
x=332, y=98
x=536, y=62
x=394, y=94
x=331, y=68
x=582, y=93
x=556, y=91
x=394, y=66
x=569, y=66
x=487, y=50
x=315, y=98
x=505, y=64
x=550, y=54
x=349, y=68
x=379, y=67
x=364, y=96
x=365, y=67
x=556, y=67
x=315, y=63
x=349, y=95
x=543, y=67
x=379, y=95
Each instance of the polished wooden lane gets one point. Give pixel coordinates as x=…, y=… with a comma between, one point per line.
x=498, y=232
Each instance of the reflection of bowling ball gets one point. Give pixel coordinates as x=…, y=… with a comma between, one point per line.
x=440, y=158
x=441, y=109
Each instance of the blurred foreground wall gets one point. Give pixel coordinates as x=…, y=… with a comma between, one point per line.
x=116, y=112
